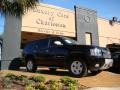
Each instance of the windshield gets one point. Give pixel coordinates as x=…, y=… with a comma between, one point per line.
x=69, y=41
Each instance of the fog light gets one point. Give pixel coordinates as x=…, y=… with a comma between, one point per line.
x=97, y=65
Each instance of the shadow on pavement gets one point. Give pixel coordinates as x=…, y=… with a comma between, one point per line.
x=60, y=73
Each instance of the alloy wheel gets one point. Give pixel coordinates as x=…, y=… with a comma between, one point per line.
x=76, y=67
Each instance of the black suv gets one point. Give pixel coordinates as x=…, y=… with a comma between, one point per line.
x=66, y=53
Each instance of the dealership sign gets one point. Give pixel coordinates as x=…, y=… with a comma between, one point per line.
x=49, y=20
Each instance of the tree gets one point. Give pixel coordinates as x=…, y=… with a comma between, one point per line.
x=16, y=7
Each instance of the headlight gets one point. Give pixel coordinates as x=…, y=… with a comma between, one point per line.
x=95, y=52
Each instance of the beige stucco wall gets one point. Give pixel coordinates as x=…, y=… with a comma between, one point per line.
x=48, y=19
x=108, y=33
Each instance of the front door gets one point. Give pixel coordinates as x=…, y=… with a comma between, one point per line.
x=57, y=52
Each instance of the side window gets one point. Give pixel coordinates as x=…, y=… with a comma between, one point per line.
x=55, y=42
x=28, y=46
x=43, y=43
x=34, y=45
x=31, y=46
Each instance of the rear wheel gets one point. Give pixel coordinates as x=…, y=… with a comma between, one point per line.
x=78, y=68
x=31, y=65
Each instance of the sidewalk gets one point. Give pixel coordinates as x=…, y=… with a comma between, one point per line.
x=104, y=88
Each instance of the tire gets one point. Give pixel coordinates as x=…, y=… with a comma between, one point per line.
x=15, y=64
x=31, y=65
x=52, y=69
x=78, y=68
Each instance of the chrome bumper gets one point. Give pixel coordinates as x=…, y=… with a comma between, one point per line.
x=108, y=63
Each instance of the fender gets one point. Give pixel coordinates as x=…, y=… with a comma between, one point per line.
x=77, y=54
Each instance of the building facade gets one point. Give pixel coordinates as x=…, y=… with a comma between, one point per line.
x=86, y=26
x=108, y=32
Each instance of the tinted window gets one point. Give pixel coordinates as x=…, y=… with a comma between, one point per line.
x=31, y=45
x=53, y=40
x=69, y=41
x=43, y=43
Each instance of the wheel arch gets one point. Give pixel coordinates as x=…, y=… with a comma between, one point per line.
x=78, y=55
x=29, y=56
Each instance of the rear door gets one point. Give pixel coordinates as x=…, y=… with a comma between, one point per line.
x=43, y=52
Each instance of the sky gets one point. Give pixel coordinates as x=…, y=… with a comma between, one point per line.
x=105, y=8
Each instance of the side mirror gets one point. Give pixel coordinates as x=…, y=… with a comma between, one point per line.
x=58, y=43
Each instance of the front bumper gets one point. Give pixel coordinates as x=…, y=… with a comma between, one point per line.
x=95, y=64
x=108, y=63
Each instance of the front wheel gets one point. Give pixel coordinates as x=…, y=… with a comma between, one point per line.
x=78, y=68
x=30, y=65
